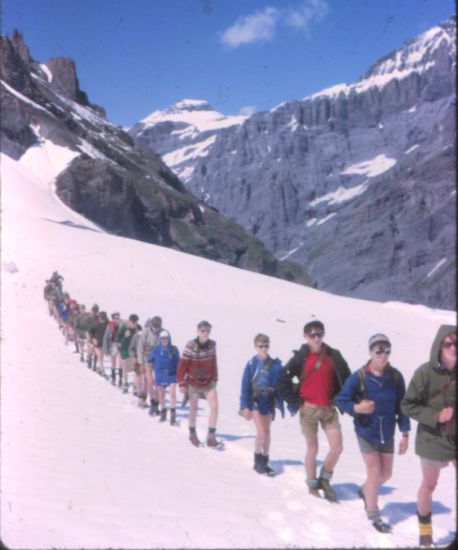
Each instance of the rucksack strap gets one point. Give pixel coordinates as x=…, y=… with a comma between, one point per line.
x=315, y=367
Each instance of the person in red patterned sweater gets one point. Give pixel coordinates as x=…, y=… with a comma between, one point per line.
x=308, y=383
x=197, y=375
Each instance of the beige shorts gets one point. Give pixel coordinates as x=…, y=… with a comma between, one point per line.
x=435, y=464
x=200, y=393
x=312, y=415
x=129, y=364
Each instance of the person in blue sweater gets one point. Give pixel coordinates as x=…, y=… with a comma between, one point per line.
x=165, y=357
x=259, y=398
x=372, y=395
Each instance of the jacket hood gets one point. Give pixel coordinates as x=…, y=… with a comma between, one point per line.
x=435, y=348
x=164, y=333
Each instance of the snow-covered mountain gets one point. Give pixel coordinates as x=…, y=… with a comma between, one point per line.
x=83, y=467
x=182, y=133
x=355, y=182
x=113, y=182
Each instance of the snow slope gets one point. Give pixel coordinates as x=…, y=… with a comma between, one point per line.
x=83, y=467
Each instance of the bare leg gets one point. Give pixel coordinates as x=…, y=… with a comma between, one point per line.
x=334, y=437
x=212, y=398
x=311, y=453
x=428, y=484
x=192, y=412
x=262, y=423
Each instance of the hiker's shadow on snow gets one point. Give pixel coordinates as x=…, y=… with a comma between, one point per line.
x=69, y=223
x=279, y=465
x=399, y=511
x=348, y=491
x=447, y=539
x=233, y=437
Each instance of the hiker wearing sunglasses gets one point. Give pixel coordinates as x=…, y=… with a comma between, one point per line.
x=431, y=400
x=197, y=375
x=308, y=383
x=372, y=395
x=259, y=398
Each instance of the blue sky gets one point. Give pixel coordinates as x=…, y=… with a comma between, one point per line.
x=136, y=56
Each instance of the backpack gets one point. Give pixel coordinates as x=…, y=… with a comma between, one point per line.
x=362, y=385
x=257, y=390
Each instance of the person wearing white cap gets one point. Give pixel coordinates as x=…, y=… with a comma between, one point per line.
x=372, y=395
x=164, y=358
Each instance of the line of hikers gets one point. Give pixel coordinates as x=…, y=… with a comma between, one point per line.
x=316, y=383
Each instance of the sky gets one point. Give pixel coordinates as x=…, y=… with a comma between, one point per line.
x=83, y=467
x=242, y=56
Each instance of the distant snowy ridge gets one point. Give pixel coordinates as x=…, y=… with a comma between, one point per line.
x=195, y=112
x=416, y=56
x=183, y=132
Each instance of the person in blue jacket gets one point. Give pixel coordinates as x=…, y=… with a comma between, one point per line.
x=259, y=398
x=165, y=357
x=372, y=395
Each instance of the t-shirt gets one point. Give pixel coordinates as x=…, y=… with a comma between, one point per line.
x=318, y=387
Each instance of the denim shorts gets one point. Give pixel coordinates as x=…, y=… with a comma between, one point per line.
x=366, y=446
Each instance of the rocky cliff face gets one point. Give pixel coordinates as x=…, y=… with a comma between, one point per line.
x=357, y=182
x=114, y=183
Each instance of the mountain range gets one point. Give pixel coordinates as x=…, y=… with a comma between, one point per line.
x=110, y=180
x=356, y=182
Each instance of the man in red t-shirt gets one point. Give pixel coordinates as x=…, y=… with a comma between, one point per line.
x=308, y=383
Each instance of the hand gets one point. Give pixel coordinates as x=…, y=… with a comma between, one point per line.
x=445, y=415
x=366, y=406
x=403, y=445
x=247, y=414
x=183, y=389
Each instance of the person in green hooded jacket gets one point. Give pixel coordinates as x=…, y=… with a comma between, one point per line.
x=431, y=400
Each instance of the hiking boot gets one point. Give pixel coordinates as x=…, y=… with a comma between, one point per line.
x=125, y=388
x=325, y=485
x=154, y=408
x=163, y=417
x=142, y=402
x=82, y=358
x=313, y=485
x=212, y=441
x=426, y=540
x=265, y=463
x=381, y=527
x=258, y=465
x=195, y=440
x=173, y=417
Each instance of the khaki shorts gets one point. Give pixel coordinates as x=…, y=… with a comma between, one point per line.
x=130, y=364
x=435, y=464
x=312, y=415
x=200, y=393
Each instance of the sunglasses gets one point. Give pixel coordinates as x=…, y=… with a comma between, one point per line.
x=315, y=335
x=265, y=346
x=386, y=351
x=448, y=345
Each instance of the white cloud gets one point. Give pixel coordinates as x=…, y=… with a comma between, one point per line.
x=262, y=25
x=248, y=110
x=258, y=27
x=309, y=12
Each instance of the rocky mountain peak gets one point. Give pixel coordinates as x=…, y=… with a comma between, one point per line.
x=17, y=40
x=65, y=80
x=419, y=53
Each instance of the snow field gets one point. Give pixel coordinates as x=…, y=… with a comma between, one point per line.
x=83, y=467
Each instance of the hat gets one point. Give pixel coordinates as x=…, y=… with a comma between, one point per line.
x=164, y=334
x=378, y=339
x=115, y=315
